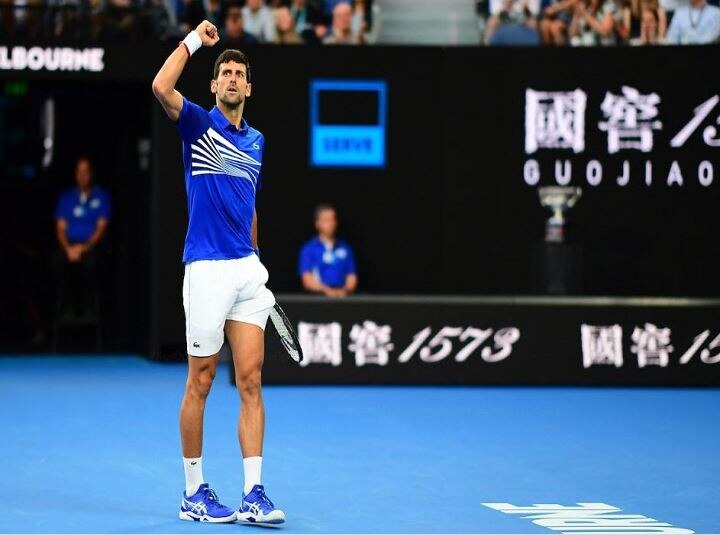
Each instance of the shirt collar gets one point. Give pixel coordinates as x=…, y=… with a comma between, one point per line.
x=79, y=192
x=218, y=116
x=335, y=243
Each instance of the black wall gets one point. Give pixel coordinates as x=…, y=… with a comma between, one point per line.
x=451, y=212
x=105, y=121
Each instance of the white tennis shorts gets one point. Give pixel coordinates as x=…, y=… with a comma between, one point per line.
x=219, y=290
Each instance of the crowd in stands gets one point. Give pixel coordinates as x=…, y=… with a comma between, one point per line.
x=241, y=22
x=356, y=22
x=601, y=22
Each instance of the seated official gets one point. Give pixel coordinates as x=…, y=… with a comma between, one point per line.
x=327, y=265
x=82, y=215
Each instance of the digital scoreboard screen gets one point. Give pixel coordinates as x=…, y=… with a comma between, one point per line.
x=347, y=123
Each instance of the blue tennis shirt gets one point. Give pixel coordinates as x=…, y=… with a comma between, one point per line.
x=330, y=264
x=222, y=173
x=82, y=213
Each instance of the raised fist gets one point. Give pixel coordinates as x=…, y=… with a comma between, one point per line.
x=208, y=33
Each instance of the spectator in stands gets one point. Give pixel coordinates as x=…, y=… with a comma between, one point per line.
x=649, y=28
x=285, y=28
x=214, y=11
x=329, y=8
x=363, y=21
x=119, y=20
x=513, y=22
x=327, y=265
x=259, y=21
x=22, y=19
x=643, y=12
x=233, y=33
x=342, y=31
x=594, y=23
x=671, y=5
x=190, y=13
x=696, y=24
x=160, y=20
x=309, y=22
x=555, y=21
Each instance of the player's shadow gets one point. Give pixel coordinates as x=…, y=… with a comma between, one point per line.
x=259, y=526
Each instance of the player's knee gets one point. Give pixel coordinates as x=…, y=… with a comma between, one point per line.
x=249, y=384
x=199, y=383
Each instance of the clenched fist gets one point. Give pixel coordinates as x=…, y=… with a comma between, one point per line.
x=208, y=33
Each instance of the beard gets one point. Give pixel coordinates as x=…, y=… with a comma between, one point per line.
x=232, y=102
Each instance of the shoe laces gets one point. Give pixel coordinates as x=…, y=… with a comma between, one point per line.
x=210, y=495
x=262, y=498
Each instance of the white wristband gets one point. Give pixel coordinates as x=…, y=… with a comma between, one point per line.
x=193, y=42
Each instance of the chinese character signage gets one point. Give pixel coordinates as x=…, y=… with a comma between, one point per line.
x=623, y=342
x=557, y=123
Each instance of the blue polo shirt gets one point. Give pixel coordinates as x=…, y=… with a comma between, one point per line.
x=330, y=264
x=222, y=173
x=82, y=212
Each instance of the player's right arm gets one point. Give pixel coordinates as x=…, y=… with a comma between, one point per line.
x=163, y=85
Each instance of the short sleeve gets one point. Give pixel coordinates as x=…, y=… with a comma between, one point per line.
x=105, y=210
x=193, y=121
x=261, y=141
x=61, y=209
x=350, y=268
x=305, y=260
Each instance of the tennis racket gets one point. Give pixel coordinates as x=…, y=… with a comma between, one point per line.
x=286, y=333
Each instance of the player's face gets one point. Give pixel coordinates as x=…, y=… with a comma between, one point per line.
x=83, y=174
x=326, y=223
x=231, y=86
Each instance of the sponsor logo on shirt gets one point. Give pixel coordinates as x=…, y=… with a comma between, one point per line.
x=213, y=154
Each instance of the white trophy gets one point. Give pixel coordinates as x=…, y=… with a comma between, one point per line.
x=559, y=199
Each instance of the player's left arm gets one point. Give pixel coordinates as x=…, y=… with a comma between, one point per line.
x=253, y=232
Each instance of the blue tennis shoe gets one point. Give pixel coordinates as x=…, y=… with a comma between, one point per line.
x=203, y=506
x=256, y=507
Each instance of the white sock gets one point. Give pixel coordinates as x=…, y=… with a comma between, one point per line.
x=193, y=474
x=252, y=467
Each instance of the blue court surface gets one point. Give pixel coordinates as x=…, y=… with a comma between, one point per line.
x=90, y=445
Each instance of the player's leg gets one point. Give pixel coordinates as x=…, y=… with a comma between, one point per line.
x=206, y=303
x=245, y=332
x=247, y=342
x=201, y=372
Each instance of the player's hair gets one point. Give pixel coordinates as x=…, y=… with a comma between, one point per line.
x=322, y=207
x=231, y=55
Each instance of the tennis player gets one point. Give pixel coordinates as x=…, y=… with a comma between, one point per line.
x=224, y=285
